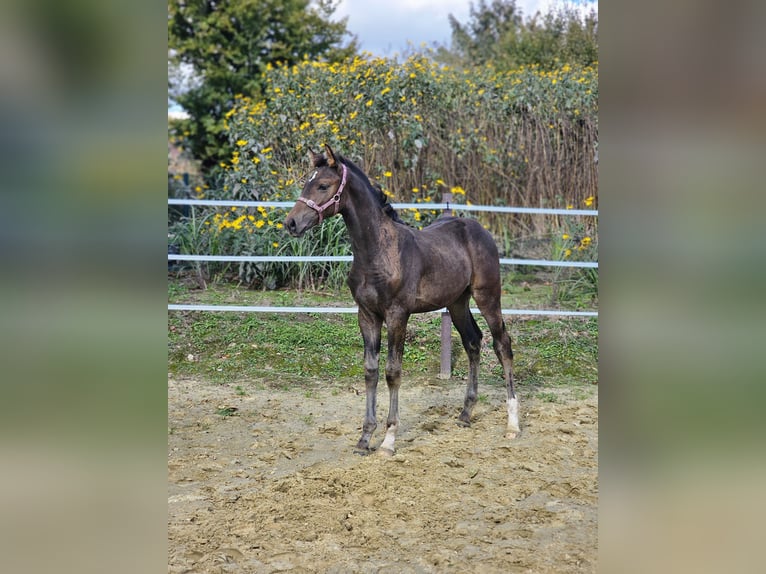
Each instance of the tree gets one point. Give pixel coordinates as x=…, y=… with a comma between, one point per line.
x=489, y=32
x=497, y=33
x=560, y=36
x=228, y=44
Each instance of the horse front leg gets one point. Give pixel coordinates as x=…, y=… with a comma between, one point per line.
x=370, y=326
x=489, y=304
x=397, y=328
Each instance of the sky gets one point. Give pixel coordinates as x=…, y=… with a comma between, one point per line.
x=384, y=27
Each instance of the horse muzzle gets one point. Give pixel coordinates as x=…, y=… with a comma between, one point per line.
x=298, y=223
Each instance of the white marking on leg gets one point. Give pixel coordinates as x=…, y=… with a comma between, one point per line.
x=513, y=418
x=388, y=442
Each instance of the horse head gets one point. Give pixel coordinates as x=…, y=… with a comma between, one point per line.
x=321, y=195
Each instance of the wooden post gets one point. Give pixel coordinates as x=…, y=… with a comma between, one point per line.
x=445, y=372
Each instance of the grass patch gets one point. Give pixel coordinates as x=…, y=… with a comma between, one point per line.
x=282, y=350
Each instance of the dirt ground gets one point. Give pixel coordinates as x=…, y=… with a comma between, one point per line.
x=275, y=486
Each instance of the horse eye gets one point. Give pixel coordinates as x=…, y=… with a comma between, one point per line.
x=323, y=187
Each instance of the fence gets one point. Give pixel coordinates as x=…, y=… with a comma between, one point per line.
x=446, y=339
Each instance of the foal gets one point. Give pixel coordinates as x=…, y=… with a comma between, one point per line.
x=397, y=271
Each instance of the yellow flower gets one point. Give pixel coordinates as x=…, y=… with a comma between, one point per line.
x=275, y=245
x=241, y=143
x=385, y=90
x=565, y=236
x=266, y=150
x=368, y=103
x=458, y=190
x=585, y=241
x=415, y=190
x=260, y=223
x=570, y=206
x=567, y=253
x=387, y=174
x=440, y=181
x=589, y=200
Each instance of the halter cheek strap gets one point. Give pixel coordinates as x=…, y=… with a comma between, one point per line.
x=334, y=200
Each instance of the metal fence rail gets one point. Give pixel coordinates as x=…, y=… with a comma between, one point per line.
x=346, y=258
x=347, y=310
x=439, y=206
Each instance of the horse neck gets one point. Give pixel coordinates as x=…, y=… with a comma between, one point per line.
x=364, y=219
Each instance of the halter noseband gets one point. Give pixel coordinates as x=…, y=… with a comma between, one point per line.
x=334, y=200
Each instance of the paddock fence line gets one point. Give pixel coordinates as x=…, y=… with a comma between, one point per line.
x=348, y=310
x=446, y=339
x=348, y=258
x=444, y=206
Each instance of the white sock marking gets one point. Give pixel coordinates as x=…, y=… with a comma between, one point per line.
x=388, y=442
x=513, y=415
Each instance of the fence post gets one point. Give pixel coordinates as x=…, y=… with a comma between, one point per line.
x=445, y=372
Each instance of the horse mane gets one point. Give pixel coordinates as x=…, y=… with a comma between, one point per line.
x=373, y=188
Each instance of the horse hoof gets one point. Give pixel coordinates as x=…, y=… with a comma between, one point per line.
x=512, y=434
x=362, y=451
x=385, y=452
x=462, y=423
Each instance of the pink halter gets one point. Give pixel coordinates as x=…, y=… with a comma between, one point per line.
x=334, y=200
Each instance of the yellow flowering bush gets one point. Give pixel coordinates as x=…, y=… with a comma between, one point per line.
x=513, y=138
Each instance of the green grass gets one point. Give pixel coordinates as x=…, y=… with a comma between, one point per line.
x=284, y=350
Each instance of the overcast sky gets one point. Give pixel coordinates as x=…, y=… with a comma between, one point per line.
x=385, y=26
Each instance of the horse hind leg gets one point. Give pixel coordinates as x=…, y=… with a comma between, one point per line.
x=397, y=328
x=489, y=305
x=471, y=336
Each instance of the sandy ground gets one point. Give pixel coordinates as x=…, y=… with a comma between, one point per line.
x=277, y=487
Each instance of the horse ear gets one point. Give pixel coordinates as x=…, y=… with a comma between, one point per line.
x=330, y=156
x=315, y=158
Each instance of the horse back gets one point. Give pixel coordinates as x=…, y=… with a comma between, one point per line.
x=458, y=233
